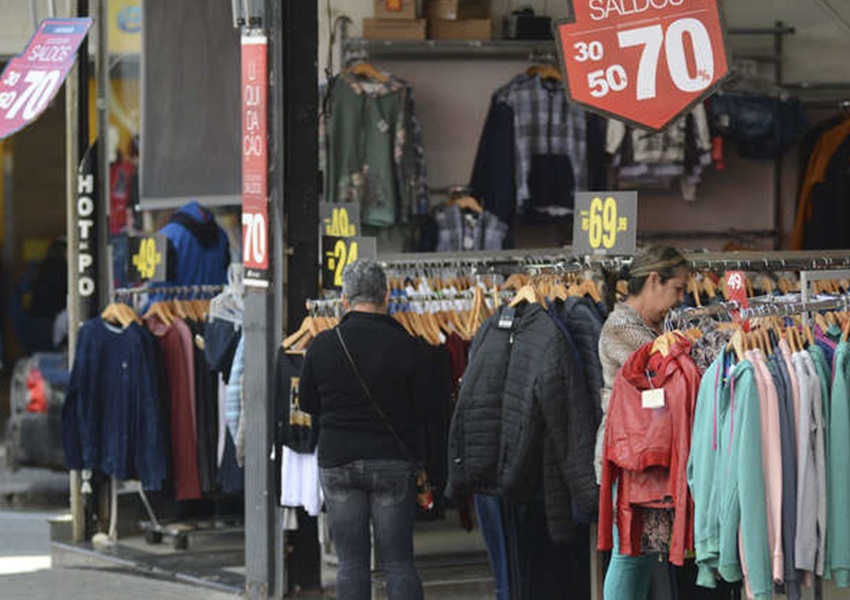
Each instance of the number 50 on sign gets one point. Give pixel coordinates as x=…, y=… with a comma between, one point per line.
x=643, y=61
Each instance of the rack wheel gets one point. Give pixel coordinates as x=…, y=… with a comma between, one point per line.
x=181, y=541
x=153, y=537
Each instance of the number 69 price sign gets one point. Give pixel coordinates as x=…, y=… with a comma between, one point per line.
x=642, y=61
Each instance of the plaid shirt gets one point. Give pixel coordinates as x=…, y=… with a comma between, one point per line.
x=462, y=231
x=544, y=123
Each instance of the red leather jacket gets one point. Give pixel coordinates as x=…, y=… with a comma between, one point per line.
x=646, y=449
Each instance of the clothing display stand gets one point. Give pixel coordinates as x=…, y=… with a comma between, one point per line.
x=153, y=528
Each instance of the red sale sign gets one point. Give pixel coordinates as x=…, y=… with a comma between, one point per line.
x=255, y=208
x=30, y=80
x=642, y=61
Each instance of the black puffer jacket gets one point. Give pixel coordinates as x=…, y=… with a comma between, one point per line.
x=585, y=326
x=523, y=410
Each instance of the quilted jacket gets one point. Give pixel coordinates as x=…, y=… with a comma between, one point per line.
x=524, y=412
x=584, y=323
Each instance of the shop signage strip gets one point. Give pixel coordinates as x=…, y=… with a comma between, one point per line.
x=646, y=62
x=31, y=80
x=255, y=205
x=605, y=223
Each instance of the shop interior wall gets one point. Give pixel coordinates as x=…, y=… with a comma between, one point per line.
x=453, y=95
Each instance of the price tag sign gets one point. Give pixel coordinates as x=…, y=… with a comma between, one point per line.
x=148, y=258
x=255, y=169
x=736, y=291
x=642, y=61
x=337, y=252
x=605, y=223
x=340, y=220
x=30, y=81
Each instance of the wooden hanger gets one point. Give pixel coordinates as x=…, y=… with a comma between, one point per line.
x=120, y=314
x=161, y=310
x=526, y=293
x=368, y=71
x=467, y=203
x=544, y=71
x=737, y=343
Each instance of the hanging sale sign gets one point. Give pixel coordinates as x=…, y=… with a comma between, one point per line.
x=148, y=255
x=642, y=61
x=30, y=81
x=255, y=204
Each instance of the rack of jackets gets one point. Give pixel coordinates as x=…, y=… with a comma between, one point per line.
x=768, y=440
x=146, y=399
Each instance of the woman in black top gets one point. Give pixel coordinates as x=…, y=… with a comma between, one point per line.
x=368, y=406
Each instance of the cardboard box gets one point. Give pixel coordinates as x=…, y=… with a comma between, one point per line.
x=454, y=10
x=396, y=9
x=395, y=29
x=467, y=29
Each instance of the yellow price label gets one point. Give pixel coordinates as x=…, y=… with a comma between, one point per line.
x=339, y=224
x=343, y=254
x=602, y=223
x=147, y=259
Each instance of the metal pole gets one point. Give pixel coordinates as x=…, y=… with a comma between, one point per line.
x=260, y=496
x=73, y=302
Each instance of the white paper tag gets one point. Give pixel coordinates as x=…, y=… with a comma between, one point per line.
x=652, y=398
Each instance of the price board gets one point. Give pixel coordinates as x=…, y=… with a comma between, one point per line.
x=148, y=258
x=337, y=252
x=339, y=220
x=30, y=80
x=736, y=291
x=605, y=223
x=255, y=169
x=642, y=61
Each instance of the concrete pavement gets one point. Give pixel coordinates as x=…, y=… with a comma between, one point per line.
x=98, y=584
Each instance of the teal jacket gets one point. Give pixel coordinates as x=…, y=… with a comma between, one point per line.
x=838, y=536
x=825, y=374
x=727, y=481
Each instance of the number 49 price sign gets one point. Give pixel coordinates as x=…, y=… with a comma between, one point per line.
x=642, y=61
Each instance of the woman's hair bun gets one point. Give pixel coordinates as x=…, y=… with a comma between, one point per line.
x=625, y=272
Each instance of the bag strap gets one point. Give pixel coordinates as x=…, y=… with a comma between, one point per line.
x=377, y=407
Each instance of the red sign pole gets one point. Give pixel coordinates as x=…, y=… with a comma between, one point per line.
x=642, y=61
x=255, y=209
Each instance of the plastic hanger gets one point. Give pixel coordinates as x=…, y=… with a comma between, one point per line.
x=526, y=293
x=120, y=314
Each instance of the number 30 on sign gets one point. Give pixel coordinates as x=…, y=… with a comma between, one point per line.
x=644, y=61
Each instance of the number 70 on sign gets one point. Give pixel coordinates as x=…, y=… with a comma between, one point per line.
x=652, y=40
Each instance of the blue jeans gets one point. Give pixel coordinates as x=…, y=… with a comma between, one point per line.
x=383, y=492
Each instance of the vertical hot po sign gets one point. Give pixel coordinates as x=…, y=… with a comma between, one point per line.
x=255, y=212
x=642, y=61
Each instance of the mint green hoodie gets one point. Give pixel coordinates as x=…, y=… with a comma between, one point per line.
x=727, y=481
x=838, y=475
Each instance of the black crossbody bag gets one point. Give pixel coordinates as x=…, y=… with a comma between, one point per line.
x=424, y=495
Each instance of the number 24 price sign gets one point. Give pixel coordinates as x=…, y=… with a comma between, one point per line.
x=642, y=61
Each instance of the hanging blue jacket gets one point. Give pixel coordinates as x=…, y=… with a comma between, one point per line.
x=198, y=249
